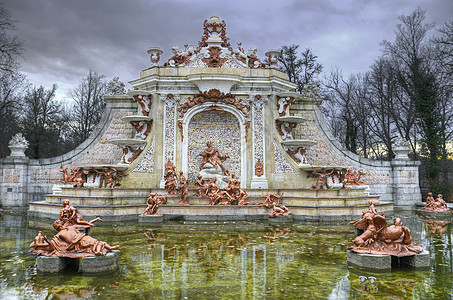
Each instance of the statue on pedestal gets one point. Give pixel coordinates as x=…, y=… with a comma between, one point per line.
x=378, y=238
x=69, y=241
x=183, y=188
x=170, y=178
x=437, y=204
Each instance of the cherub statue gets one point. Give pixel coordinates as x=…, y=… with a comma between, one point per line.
x=279, y=211
x=438, y=204
x=153, y=202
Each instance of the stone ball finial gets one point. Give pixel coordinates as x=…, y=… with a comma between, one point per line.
x=18, y=144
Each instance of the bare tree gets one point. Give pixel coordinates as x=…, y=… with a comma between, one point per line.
x=88, y=96
x=414, y=63
x=12, y=86
x=40, y=122
x=11, y=47
x=301, y=70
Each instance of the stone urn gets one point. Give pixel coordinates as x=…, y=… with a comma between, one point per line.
x=154, y=55
x=272, y=57
x=401, y=148
x=18, y=144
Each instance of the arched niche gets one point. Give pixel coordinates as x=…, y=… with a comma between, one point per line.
x=226, y=138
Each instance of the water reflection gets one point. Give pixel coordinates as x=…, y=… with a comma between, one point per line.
x=226, y=261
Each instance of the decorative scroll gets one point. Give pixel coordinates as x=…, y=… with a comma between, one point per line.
x=214, y=57
x=142, y=128
x=283, y=103
x=297, y=153
x=131, y=153
x=145, y=102
x=284, y=128
x=213, y=95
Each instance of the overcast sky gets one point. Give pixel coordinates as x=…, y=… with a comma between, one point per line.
x=64, y=39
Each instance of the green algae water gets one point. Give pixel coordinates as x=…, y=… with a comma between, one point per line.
x=231, y=260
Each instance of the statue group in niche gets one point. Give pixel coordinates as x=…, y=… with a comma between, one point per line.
x=69, y=241
x=378, y=238
x=437, y=204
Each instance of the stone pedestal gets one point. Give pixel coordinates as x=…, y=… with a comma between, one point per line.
x=435, y=214
x=151, y=219
x=370, y=261
x=420, y=260
x=386, y=262
x=97, y=264
x=50, y=264
x=259, y=183
x=93, y=264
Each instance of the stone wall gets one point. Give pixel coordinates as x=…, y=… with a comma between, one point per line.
x=24, y=180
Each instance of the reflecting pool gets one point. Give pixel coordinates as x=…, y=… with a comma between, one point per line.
x=231, y=260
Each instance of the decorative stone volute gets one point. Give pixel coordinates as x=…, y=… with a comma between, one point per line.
x=18, y=144
x=154, y=53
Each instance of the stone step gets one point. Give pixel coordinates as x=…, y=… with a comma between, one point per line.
x=130, y=199
x=357, y=191
x=131, y=212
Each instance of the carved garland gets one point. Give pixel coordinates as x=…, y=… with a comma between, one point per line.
x=213, y=95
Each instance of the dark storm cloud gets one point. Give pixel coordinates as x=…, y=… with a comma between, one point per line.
x=64, y=39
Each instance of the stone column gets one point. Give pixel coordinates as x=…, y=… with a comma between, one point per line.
x=404, y=177
x=14, y=175
x=169, y=145
x=258, y=134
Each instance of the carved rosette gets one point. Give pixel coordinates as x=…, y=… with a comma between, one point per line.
x=283, y=103
x=145, y=102
x=258, y=102
x=284, y=128
x=214, y=96
x=170, y=101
